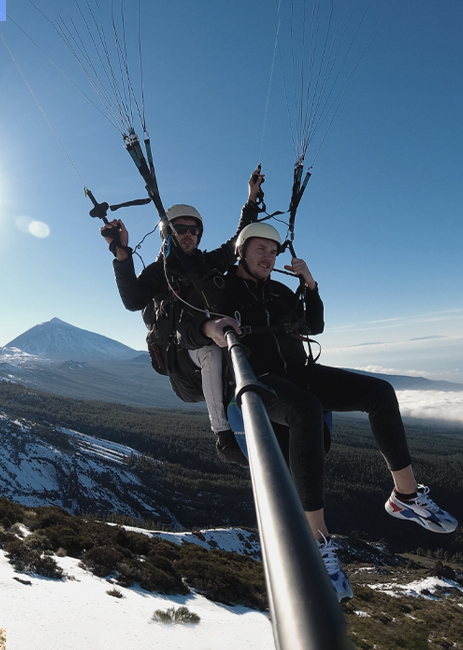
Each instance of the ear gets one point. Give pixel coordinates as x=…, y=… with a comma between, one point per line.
x=239, y=252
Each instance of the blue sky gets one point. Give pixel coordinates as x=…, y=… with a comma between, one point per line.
x=380, y=224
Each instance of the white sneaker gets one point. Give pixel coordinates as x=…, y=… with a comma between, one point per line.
x=333, y=566
x=422, y=510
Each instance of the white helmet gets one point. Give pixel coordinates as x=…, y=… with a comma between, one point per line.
x=181, y=210
x=258, y=229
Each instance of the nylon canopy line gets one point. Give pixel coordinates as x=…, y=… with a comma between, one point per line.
x=86, y=39
x=106, y=65
x=319, y=45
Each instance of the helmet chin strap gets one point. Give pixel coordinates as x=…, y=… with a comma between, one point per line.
x=245, y=266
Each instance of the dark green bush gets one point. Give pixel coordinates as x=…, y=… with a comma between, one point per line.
x=10, y=512
x=225, y=577
x=38, y=541
x=128, y=573
x=172, y=615
x=115, y=593
x=103, y=560
x=72, y=538
x=159, y=574
x=31, y=560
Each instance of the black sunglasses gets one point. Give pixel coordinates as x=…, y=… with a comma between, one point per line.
x=182, y=229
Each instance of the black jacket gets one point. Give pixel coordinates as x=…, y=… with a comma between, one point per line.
x=200, y=277
x=275, y=318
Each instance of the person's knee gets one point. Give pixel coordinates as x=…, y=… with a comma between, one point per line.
x=212, y=353
x=208, y=355
x=386, y=390
x=383, y=394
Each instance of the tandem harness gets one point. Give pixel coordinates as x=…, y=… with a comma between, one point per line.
x=286, y=328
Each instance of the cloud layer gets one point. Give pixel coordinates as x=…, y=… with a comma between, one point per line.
x=432, y=405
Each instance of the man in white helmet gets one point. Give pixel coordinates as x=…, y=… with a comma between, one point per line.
x=273, y=324
x=169, y=291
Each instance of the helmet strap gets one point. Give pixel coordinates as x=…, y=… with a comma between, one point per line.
x=244, y=264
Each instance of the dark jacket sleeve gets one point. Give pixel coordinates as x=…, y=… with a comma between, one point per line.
x=136, y=292
x=189, y=331
x=223, y=257
x=314, y=314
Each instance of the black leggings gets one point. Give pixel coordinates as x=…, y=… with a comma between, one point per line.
x=304, y=395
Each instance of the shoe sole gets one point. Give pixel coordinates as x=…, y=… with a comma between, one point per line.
x=224, y=459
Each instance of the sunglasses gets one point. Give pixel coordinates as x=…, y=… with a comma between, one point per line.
x=182, y=230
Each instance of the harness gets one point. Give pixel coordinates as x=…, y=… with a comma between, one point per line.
x=286, y=328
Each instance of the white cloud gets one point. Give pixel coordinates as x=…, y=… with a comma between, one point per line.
x=432, y=405
x=438, y=358
x=400, y=321
x=396, y=371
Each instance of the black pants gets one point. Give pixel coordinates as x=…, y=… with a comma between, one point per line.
x=305, y=394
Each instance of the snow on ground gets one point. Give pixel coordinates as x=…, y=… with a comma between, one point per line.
x=78, y=614
x=424, y=588
x=101, y=447
x=227, y=539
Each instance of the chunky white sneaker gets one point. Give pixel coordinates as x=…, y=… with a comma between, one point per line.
x=422, y=510
x=332, y=564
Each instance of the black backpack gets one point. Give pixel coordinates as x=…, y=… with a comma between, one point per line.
x=167, y=358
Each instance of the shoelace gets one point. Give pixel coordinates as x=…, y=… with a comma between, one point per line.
x=328, y=553
x=423, y=500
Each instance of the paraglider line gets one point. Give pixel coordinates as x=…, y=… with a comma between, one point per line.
x=42, y=110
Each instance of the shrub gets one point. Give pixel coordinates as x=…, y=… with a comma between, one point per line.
x=46, y=566
x=17, y=529
x=172, y=615
x=224, y=577
x=115, y=592
x=38, y=541
x=128, y=573
x=5, y=538
x=29, y=518
x=74, y=541
x=102, y=560
x=163, y=579
x=10, y=512
x=26, y=559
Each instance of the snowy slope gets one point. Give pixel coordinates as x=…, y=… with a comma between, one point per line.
x=45, y=465
x=227, y=539
x=78, y=614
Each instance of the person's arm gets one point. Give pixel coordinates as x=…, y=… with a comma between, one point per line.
x=135, y=292
x=214, y=329
x=314, y=313
x=224, y=257
x=118, y=244
x=299, y=267
x=250, y=210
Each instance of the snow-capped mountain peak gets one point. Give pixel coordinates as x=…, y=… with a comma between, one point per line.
x=58, y=340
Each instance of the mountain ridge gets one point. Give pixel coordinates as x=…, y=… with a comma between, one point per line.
x=58, y=340
x=94, y=367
